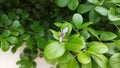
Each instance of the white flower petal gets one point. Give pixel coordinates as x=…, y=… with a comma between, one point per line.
x=65, y=30
x=60, y=39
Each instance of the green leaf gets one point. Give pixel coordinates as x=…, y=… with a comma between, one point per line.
x=113, y=17
x=115, y=61
x=83, y=58
x=75, y=44
x=115, y=1
x=84, y=25
x=97, y=47
x=96, y=2
x=31, y=42
x=101, y=10
x=12, y=40
x=5, y=45
x=73, y=4
x=1, y=38
x=77, y=20
x=85, y=33
x=72, y=64
x=6, y=33
x=54, y=50
x=62, y=65
x=102, y=61
x=94, y=16
x=56, y=35
x=111, y=48
x=93, y=32
x=106, y=36
x=51, y=61
x=84, y=8
x=65, y=57
x=89, y=65
x=62, y=3
x=117, y=42
x=41, y=42
x=15, y=33
x=16, y=24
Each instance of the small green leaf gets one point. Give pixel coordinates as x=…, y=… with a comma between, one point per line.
x=51, y=61
x=54, y=50
x=12, y=40
x=115, y=61
x=106, y=36
x=84, y=8
x=101, y=10
x=111, y=48
x=94, y=16
x=83, y=58
x=65, y=57
x=72, y=63
x=75, y=44
x=62, y=3
x=97, y=47
x=31, y=42
x=1, y=38
x=41, y=42
x=15, y=33
x=89, y=65
x=73, y=4
x=115, y=1
x=96, y=2
x=113, y=17
x=85, y=33
x=16, y=24
x=84, y=25
x=6, y=33
x=102, y=61
x=93, y=32
x=5, y=45
x=56, y=35
x=117, y=42
x=77, y=20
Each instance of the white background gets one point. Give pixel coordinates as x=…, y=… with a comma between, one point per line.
x=8, y=59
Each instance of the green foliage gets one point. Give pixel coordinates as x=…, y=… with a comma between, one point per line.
x=69, y=33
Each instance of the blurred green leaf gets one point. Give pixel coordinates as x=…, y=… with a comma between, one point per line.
x=77, y=20
x=101, y=10
x=75, y=44
x=73, y=4
x=113, y=17
x=94, y=16
x=56, y=35
x=54, y=50
x=16, y=24
x=89, y=65
x=83, y=58
x=72, y=63
x=6, y=33
x=115, y=61
x=96, y=2
x=12, y=40
x=106, y=36
x=84, y=25
x=62, y=3
x=102, y=62
x=5, y=45
x=97, y=47
x=84, y=8
x=66, y=57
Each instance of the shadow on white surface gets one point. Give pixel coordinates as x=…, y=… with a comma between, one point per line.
x=8, y=59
